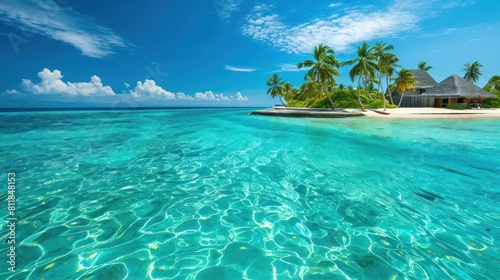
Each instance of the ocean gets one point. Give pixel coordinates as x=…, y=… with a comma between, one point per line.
x=214, y=193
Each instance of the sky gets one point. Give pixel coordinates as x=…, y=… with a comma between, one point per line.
x=69, y=53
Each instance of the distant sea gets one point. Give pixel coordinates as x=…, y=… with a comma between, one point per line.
x=59, y=109
x=217, y=193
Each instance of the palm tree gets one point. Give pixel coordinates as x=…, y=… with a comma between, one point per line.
x=311, y=86
x=422, y=65
x=389, y=69
x=324, y=68
x=369, y=85
x=364, y=67
x=386, y=63
x=403, y=82
x=287, y=90
x=493, y=84
x=472, y=71
x=275, y=85
x=294, y=93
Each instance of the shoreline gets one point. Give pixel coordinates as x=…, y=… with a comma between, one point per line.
x=435, y=113
x=399, y=113
x=307, y=113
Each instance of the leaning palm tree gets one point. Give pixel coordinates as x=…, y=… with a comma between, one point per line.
x=389, y=69
x=364, y=67
x=386, y=63
x=403, y=82
x=422, y=65
x=472, y=71
x=275, y=85
x=324, y=68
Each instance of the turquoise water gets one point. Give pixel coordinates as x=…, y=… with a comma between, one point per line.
x=221, y=194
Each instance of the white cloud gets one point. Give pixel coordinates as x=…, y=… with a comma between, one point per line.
x=183, y=96
x=224, y=8
x=262, y=7
x=238, y=96
x=333, y=5
x=237, y=69
x=338, y=31
x=289, y=67
x=61, y=23
x=11, y=91
x=150, y=89
x=210, y=96
x=127, y=85
x=458, y=4
x=51, y=83
x=221, y=96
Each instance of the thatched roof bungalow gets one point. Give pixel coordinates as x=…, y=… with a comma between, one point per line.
x=424, y=81
x=457, y=90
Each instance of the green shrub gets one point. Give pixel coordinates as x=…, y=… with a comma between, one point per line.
x=492, y=102
x=454, y=106
x=342, y=98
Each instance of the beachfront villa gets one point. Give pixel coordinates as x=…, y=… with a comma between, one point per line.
x=452, y=90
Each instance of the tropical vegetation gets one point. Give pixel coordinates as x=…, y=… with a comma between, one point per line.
x=323, y=70
x=493, y=86
x=472, y=71
x=364, y=68
x=276, y=88
x=386, y=64
x=403, y=82
x=422, y=65
x=368, y=70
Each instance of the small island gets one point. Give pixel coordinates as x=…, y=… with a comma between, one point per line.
x=407, y=92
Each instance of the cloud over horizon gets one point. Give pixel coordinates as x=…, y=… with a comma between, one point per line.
x=51, y=83
x=61, y=23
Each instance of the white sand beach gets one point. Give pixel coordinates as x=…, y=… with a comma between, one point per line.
x=431, y=113
x=410, y=113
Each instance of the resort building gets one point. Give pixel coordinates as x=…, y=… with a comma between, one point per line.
x=452, y=90
x=457, y=90
x=413, y=98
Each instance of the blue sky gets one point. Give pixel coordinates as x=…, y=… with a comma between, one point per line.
x=219, y=53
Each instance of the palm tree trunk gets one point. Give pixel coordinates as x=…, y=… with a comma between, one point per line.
x=359, y=95
x=281, y=100
x=388, y=91
x=329, y=98
x=381, y=89
x=401, y=99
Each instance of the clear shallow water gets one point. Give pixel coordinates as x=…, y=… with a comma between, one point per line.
x=220, y=194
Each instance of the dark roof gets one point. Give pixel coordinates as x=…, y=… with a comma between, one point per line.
x=424, y=80
x=454, y=87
